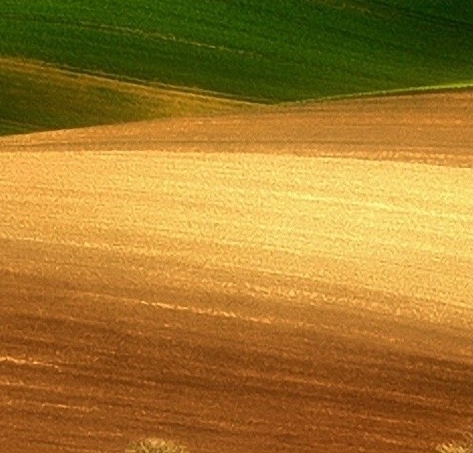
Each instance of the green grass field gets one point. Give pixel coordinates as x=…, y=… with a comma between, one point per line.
x=264, y=51
x=36, y=97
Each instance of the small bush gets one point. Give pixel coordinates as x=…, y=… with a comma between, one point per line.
x=458, y=447
x=155, y=445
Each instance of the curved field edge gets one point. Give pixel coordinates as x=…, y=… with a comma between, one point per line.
x=40, y=97
x=37, y=97
x=430, y=128
x=432, y=89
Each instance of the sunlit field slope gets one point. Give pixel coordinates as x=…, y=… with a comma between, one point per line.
x=265, y=50
x=298, y=280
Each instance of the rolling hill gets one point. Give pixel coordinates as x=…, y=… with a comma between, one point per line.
x=297, y=280
x=77, y=63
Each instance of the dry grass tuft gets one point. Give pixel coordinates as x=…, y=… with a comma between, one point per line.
x=458, y=447
x=156, y=445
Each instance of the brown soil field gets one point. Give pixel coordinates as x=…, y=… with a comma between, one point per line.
x=294, y=279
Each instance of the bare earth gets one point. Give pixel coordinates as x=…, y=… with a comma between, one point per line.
x=294, y=280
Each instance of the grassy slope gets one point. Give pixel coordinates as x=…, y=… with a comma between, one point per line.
x=35, y=97
x=265, y=50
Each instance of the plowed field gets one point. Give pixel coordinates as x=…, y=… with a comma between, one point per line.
x=297, y=280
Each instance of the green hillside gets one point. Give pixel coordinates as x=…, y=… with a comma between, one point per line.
x=35, y=97
x=255, y=50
